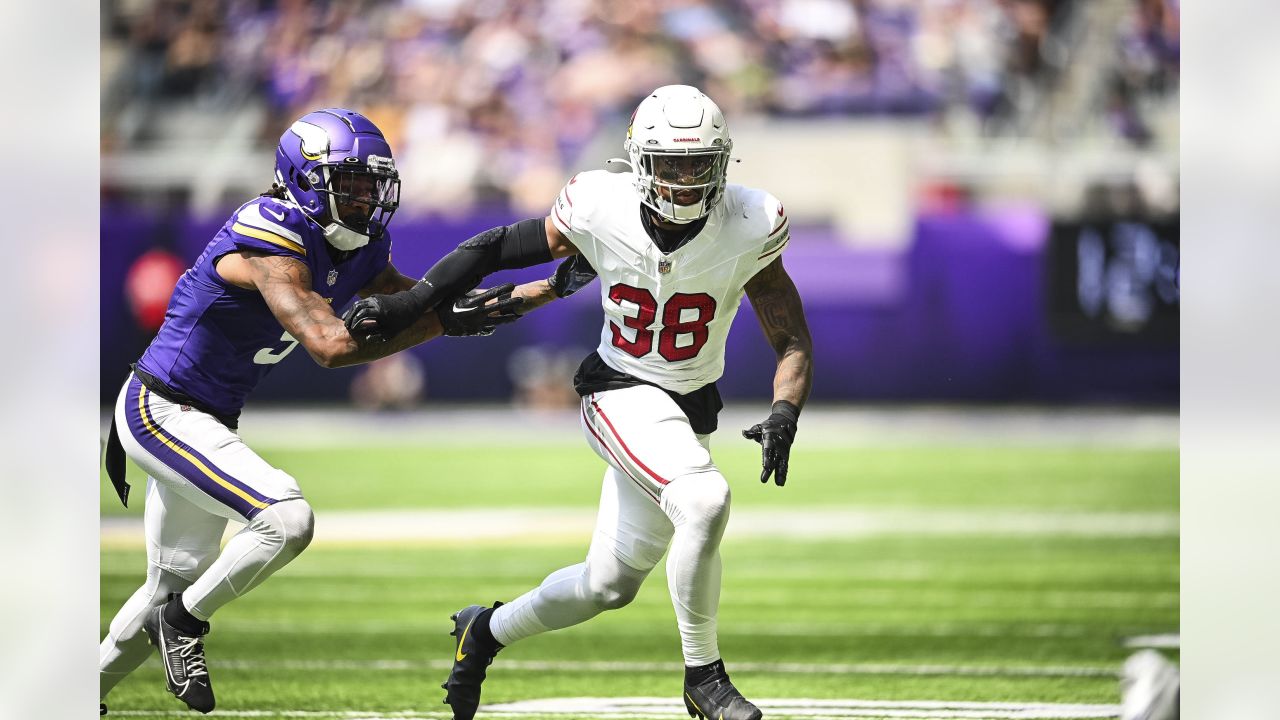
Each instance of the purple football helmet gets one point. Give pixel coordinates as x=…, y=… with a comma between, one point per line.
x=337, y=166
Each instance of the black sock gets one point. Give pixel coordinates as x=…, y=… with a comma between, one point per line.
x=702, y=673
x=177, y=615
x=480, y=628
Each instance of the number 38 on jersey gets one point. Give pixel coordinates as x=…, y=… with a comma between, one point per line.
x=668, y=314
x=684, y=322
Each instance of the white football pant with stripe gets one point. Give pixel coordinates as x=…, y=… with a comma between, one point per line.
x=661, y=489
x=200, y=474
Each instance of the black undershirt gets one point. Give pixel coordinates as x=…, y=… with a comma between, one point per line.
x=702, y=406
x=669, y=240
x=157, y=386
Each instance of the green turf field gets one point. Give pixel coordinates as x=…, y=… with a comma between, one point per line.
x=455, y=476
x=354, y=631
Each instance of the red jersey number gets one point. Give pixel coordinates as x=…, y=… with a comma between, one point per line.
x=648, y=310
x=674, y=323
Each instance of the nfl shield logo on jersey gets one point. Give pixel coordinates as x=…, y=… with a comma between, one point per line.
x=332, y=278
x=664, y=266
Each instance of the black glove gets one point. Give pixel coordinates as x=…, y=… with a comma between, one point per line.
x=472, y=315
x=775, y=436
x=571, y=276
x=378, y=318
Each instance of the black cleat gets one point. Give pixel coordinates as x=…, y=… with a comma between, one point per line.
x=470, y=660
x=183, y=655
x=102, y=708
x=717, y=699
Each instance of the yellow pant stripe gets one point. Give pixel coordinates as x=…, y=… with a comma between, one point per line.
x=146, y=421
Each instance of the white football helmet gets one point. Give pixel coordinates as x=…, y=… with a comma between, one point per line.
x=679, y=147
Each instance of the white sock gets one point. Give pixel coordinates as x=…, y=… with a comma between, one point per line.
x=568, y=596
x=516, y=620
x=698, y=506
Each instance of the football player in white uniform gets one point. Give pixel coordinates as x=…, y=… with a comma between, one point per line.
x=674, y=263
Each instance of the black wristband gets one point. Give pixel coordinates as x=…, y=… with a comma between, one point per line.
x=412, y=302
x=787, y=410
x=393, y=313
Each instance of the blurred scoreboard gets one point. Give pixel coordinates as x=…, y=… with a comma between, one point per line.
x=1114, y=279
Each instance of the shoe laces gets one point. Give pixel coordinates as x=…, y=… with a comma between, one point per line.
x=191, y=649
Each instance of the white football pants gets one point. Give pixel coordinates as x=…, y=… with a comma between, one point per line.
x=200, y=474
x=661, y=488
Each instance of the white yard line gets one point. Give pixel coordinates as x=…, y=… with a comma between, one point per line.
x=549, y=524
x=636, y=667
x=814, y=629
x=644, y=708
x=1169, y=641
x=799, y=707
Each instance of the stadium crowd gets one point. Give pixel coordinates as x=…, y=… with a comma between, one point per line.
x=503, y=95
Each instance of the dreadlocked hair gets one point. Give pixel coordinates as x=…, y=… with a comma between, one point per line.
x=277, y=191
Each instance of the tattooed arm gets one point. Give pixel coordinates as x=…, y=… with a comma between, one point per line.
x=535, y=295
x=777, y=305
x=571, y=275
x=285, y=284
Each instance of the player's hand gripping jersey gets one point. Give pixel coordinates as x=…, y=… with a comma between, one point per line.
x=667, y=316
x=219, y=340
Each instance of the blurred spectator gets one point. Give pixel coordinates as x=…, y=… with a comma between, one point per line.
x=543, y=376
x=492, y=102
x=397, y=382
x=1149, y=55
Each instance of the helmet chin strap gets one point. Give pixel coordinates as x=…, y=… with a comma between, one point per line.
x=341, y=236
x=344, y=238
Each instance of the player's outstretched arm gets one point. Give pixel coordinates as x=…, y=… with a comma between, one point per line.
x=781, y=314
x=285, y=284
x=534, y=295
x=479, y=312
x=571, y=276
x=519, y=245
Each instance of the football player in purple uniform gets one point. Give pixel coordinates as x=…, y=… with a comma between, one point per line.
x=267, y=282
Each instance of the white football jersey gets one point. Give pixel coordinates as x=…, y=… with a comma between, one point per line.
x=667, y=316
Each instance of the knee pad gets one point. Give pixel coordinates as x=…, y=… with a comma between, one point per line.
x=291, y=521
x=702, y=497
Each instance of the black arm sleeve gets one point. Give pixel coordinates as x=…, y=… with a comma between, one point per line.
x=513, y=246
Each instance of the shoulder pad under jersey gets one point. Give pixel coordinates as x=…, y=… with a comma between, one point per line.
x=581, y=195
x=765, y=228
x=271, y=225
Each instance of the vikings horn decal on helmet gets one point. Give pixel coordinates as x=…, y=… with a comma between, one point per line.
x=337, y=166
x=679, y=148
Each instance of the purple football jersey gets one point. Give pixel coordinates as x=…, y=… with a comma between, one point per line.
x=218, y=340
